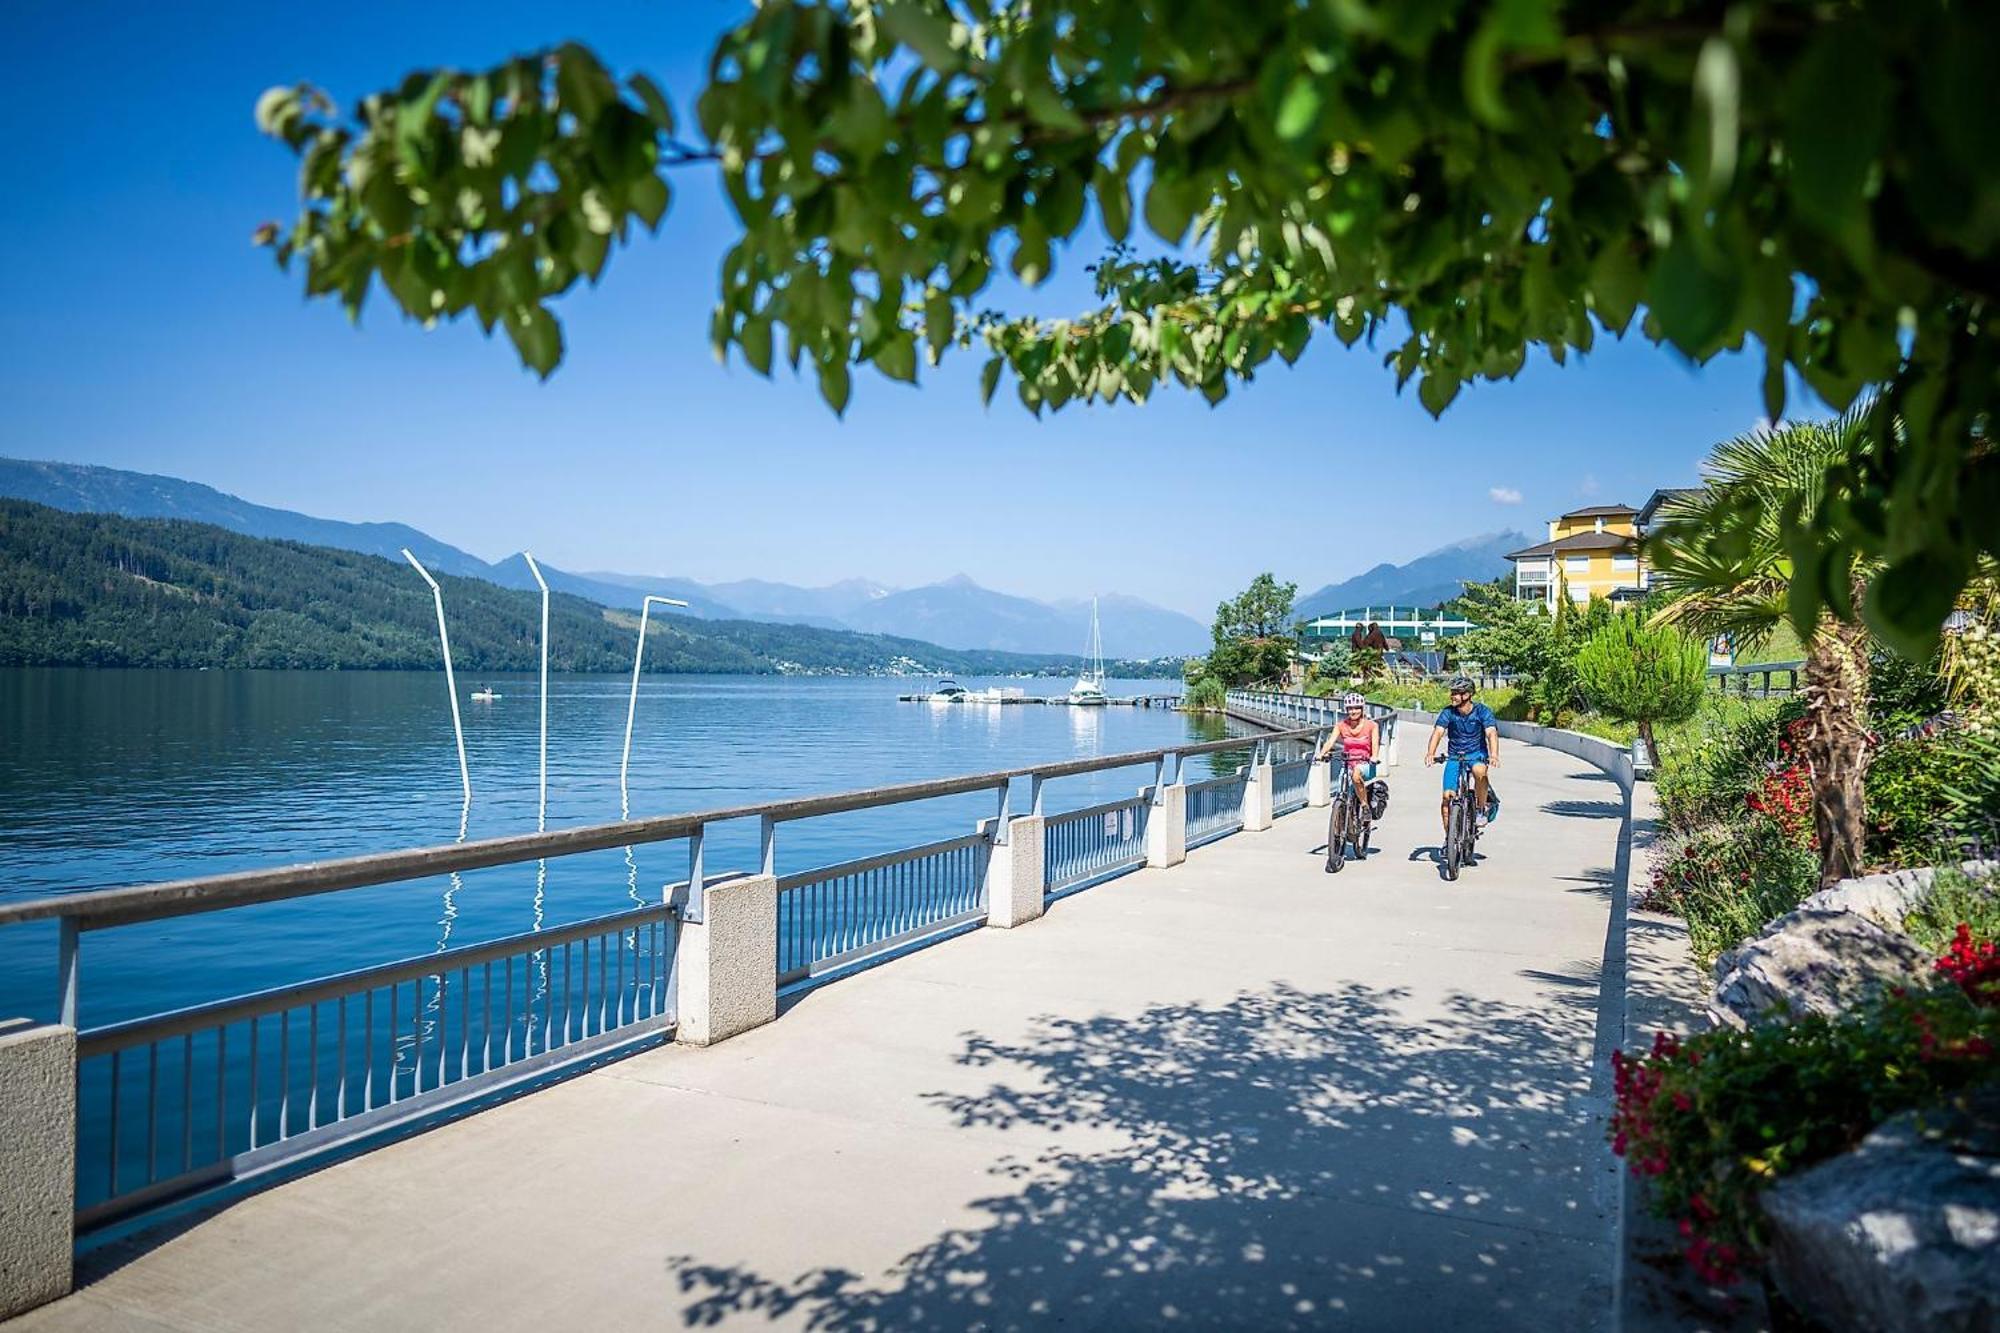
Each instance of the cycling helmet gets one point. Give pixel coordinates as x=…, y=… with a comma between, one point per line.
x=1462, y=683
x=1352, y=700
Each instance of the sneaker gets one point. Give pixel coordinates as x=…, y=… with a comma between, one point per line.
x=1492, y=805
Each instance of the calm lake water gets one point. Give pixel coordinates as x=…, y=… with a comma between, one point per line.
x=109, y=778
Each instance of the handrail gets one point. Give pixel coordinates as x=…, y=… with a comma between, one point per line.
x=99, y=909
x=1756, y=668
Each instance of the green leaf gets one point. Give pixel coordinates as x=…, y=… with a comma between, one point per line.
x=1908, y=601
x=1031, y=255
x=1436, y=390
x=1616, y=283
x=1114, y=201
x=536, y=336
x=1170, y=205
x=1693, y=296
x=989, y=379
x=658, y=109
x=648, y=197
x=897, y=357
x=1298, y=112
x=917, y=26
x=834, y=384
x=938, y=322
x=755, y=340
x=1837, y=110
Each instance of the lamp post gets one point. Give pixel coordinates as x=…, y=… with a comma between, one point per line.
x=450, y=682
x=542, y=789
x=632, y=706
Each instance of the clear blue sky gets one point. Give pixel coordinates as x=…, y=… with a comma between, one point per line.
x=141, y=330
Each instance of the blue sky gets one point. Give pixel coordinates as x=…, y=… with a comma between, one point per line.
x=141, y=330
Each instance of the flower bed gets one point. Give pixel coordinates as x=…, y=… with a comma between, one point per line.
x=1713, y=1120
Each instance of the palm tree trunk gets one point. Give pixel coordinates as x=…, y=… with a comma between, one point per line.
x=1835, y=745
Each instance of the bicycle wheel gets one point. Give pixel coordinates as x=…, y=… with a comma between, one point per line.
x=1363, y=828
x=1453, y=840
x=1336, y=833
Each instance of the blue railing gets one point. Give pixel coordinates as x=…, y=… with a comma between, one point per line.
x=1288, y=785
x=838, y=915
x=1215, y=807
x=1081, y=847
x=231, y=1089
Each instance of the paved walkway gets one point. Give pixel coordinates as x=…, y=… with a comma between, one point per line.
x=1240, y=1093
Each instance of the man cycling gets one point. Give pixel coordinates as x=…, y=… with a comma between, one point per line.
x=1473, y=734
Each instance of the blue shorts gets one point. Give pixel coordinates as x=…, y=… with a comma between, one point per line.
x=1452, y=762
x=1367, y=771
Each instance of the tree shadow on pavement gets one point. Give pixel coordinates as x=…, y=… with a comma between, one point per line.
x=1585, y=809
x=1281, y=1159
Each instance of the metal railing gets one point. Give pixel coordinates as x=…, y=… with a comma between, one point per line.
x=1084, y=847
x=840, y=915
x=1763, y=671
x=162, y=1108
x=1215, y=807
x=176, y=1102
x=1289, y=782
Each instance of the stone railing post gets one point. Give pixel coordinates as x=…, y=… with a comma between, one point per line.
x=1319, y=784
x=1166, y=826
x=1257, y=796
x=37, y=1163
x=1015, y=892
x=728, y=961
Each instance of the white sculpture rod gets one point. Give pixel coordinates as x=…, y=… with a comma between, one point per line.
x=542, y=800
x=450, y=681
x=632, y=706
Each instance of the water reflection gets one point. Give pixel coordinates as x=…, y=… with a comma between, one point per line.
x=130, y=777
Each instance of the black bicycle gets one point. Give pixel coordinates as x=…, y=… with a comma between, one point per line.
x=1461, y=823
x=1348, y=820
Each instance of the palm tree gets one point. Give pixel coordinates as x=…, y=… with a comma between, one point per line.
x=1721, y=558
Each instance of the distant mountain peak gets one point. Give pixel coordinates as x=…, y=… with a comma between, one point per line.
x=958, y=581
x=1431, y=578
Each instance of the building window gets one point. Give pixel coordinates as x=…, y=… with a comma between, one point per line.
x=1625, y=562
x=1579, y=594
x=1577, y=564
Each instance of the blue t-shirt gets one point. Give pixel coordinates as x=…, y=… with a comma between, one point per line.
x=1465, y=733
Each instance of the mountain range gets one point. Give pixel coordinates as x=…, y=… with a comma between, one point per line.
x=956, y=613
x=103, y=590
x=1425, y=581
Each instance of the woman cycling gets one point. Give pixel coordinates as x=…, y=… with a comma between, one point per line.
x=1359, y=741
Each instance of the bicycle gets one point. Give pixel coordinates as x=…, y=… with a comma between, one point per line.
x=1461, y=833
x=1347, y=821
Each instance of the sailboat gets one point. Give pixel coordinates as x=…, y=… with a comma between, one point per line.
x=1088, y=692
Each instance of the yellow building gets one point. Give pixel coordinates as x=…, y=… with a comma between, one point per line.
x=1593, y=552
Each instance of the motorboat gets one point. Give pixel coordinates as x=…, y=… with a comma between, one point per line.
x=484, y=695
x=1088, y=692
x=948, y=691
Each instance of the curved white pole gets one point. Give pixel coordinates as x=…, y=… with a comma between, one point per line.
x=450, y=681
x=632, y=705
x=542, y=802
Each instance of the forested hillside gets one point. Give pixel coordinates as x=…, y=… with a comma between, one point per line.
x=98, y=590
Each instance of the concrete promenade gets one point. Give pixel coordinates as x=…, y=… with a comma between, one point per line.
x=1237, y=1093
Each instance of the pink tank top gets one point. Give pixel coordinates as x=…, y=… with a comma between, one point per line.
x=1358, y=742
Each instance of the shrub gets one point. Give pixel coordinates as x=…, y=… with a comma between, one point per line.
x=1707, y=767
x=1956, y=899
x=1728, y=880
x=1206, y=695
x=1642, y=674
x=1713, y=1120
x=1913, y=816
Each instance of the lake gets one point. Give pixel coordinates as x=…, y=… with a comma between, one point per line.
x=113, y=777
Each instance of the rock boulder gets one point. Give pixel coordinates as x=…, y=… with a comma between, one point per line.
x=1813, y=961
x=1903, y=1233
